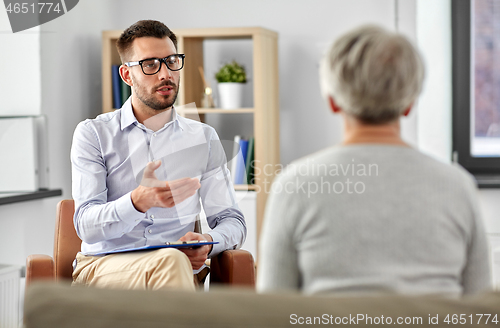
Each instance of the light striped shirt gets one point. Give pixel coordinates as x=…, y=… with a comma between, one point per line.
x=108, y=156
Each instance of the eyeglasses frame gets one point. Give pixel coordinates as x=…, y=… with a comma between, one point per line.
x=162, y=60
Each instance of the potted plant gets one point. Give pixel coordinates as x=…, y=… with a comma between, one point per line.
x=231, y=78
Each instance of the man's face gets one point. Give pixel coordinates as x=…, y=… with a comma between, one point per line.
x=157, y=91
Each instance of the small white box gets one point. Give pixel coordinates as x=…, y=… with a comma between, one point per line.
x=23, y=162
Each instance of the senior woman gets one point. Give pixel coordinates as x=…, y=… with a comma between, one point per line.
x=372, y=214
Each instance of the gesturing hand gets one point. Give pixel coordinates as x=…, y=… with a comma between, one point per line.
x=197, y=255
x=155, y=193
x=149, y=178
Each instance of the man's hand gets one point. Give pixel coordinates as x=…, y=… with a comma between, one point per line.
x=155, y=193
x=197, y=255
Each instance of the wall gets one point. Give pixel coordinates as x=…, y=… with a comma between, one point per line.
x=21, y=91
x=20, y=94
x=435, y=103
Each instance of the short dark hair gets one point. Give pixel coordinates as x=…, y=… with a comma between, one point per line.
x=143, y=28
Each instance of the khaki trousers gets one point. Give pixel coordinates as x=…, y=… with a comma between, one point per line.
x=157, y=269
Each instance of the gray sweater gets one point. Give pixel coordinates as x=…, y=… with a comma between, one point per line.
x=372, y=219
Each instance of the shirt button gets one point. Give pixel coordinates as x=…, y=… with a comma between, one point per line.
x=152, y=216
x=154, y=134
x=150, y=231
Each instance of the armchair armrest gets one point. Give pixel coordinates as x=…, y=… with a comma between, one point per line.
x=39, y=267
x=233, y=267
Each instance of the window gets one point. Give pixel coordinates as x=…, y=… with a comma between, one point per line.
x=476, y=88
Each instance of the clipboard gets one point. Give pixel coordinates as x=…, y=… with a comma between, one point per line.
x=169, y=244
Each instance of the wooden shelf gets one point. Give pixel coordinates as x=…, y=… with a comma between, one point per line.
x=244, y=187
x=224, y=32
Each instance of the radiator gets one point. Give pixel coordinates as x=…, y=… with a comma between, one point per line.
x=9, y=296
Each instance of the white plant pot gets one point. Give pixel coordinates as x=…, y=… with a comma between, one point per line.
x=231, y=95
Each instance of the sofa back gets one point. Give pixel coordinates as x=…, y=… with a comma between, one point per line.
x=59, y=305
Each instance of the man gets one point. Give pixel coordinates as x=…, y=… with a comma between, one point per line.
x=139, y=174
x=372, y=214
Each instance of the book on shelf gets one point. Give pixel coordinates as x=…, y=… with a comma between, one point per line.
x=240, y=174
x=249, y=161
x=121, y=90
x=243, y=157
x=126, y=91
x=117, y=97
x=234, y=159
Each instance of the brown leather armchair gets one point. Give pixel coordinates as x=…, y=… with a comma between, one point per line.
x=233, y=267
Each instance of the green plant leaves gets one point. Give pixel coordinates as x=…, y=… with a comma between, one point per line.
x=231, y=72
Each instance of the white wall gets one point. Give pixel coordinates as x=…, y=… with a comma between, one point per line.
x=435, y=104
x=20, y=82
x=20, y=94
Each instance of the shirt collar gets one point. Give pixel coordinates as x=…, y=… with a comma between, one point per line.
x=128, y=117
x=178, y=119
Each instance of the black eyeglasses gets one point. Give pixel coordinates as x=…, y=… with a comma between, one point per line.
x=151, y=66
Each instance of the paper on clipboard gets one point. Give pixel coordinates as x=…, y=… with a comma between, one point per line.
x=171, y=244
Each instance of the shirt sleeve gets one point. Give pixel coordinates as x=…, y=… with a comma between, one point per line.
x=278, y=268
x=95, y=218
x=219, y=201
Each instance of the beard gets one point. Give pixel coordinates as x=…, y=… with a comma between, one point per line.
x=149, y=97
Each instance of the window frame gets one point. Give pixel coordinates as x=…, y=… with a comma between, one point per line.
x=485, y=169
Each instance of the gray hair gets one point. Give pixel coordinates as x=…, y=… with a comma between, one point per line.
x=372, y=74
